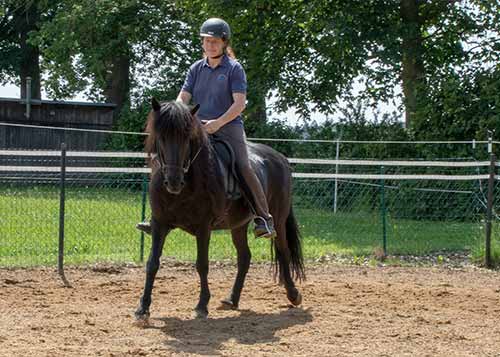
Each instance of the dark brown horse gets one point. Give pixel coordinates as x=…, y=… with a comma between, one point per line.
x=187, y=192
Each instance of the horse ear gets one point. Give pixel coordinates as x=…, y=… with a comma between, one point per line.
x=195, y=109
x=155, y=104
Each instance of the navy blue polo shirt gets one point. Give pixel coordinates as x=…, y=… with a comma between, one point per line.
x=213, y=88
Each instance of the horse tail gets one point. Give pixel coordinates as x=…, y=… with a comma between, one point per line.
x=293, y=238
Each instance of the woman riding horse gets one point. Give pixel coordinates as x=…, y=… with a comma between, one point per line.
x=187, y=191
x=218, y=84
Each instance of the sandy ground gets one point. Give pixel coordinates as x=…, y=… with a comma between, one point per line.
x=382, y=311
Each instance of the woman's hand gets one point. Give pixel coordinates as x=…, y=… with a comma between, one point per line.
x=211, y=126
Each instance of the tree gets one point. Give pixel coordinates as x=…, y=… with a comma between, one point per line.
x=306, y=54
x=104, y=47
x=412, y=62
x=19, y=58
x=461, y=101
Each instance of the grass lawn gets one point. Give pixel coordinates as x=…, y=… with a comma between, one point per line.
x=99, y=226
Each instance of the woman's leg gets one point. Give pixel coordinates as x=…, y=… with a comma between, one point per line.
x=235, y=135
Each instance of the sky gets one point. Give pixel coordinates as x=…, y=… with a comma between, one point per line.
x=9, y=91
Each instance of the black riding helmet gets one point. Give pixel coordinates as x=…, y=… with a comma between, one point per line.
x=215, y=27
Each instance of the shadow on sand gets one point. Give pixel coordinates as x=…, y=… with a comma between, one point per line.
x=205, y=337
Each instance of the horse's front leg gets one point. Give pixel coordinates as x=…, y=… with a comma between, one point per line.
x=202, y=243
x=158, y=239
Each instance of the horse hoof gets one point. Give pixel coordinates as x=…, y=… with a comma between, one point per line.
x=200, y=314
x=227, y=304
x=141, y=320
x=297, y=301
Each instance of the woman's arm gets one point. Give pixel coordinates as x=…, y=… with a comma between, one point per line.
x=234, y=110
x=184, y=97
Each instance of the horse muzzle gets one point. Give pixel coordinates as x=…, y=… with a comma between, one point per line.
x=174, y=185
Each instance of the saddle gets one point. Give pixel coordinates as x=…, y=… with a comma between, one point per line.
x=226, y=161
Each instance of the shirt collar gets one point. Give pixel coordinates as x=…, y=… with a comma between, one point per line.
x=224, y=61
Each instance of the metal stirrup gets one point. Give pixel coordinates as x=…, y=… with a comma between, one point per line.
x=268, y=229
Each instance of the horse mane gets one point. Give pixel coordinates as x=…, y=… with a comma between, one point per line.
x=174, y=119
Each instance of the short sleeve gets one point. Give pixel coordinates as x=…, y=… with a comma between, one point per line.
x=238, y=79
x=189, y=81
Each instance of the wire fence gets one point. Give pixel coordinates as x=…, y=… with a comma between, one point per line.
x=356, y=208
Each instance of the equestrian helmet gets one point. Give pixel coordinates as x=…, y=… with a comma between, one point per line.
x=216, y=27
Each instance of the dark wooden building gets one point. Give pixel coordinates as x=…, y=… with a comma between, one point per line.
x=54, y=114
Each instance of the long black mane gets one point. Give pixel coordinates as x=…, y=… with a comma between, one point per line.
x=173, y=120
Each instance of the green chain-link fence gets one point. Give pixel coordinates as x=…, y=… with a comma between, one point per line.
x=345, y=214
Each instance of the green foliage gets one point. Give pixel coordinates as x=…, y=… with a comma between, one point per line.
x=307, y=55
x=18, y=19
x=9, y=48
x=460, y=108
x=352, y=125
x=80, y=44
x=134, y=120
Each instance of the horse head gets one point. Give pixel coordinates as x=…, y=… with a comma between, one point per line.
x=175, y=140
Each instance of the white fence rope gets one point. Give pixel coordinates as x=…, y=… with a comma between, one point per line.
x=122, y=154
x=128, y=170
x=389, y=163
x=111, y=154
x=392, y=177
x=97, y=170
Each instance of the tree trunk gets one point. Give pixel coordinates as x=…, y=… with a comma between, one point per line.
x=255, y=113
x=27, y=18
x=256, y=109
x=412, y=73
x=117, y=87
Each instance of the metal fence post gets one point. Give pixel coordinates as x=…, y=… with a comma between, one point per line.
x=383, y=212
x=28, y=97
x=335, y=193
x=489, y=212
x=143, y=214
x=62, y=198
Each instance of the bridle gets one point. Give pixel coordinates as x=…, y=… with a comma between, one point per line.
x=164, y=164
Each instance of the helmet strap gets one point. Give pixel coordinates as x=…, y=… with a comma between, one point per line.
x=218, y=56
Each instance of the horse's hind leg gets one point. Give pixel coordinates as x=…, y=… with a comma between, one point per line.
x=283, y=256
x=240, y=241
x=152, y=266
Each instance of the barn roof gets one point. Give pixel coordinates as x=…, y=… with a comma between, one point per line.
x=58, y=102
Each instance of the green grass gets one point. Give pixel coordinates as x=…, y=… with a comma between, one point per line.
x=99, y=227
x=478, y=253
